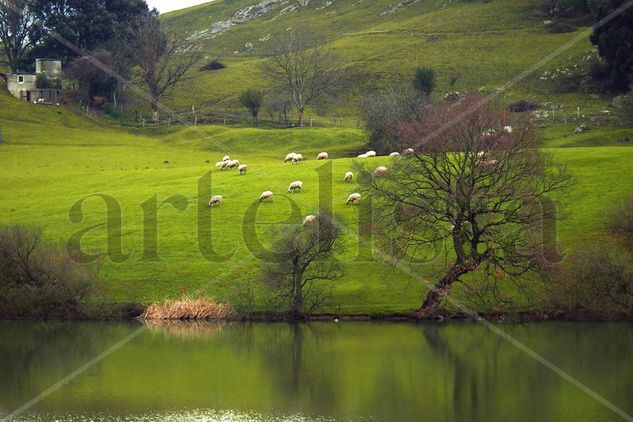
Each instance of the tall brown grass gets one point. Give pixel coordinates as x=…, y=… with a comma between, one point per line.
x=188, y=308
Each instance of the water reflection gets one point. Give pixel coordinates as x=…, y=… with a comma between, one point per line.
x=316, y=371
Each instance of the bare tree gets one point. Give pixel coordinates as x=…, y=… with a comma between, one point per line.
x=476, y=185
x=278, y=106
x=17, y=24
x=302, y=67
x=304, y=255
x=164, y=58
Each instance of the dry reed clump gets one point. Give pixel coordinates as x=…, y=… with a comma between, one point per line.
x=189, y=309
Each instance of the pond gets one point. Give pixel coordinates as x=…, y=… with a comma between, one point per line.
x=317, y=371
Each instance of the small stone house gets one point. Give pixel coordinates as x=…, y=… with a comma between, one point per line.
x=42, y=87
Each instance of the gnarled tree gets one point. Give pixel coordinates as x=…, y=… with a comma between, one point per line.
x=476, y=184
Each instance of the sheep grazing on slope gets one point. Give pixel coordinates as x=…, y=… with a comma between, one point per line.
x=242, y=169
x=354, y=198
x=380, y=172
x=216, y=200
x=323, y=156
x=298, y=158
x=295, y=186
x=394, y=154
x=311, y=219
x=408, y=152
x=349, y=177
x=370, y=154
x=233, y=164
x=290, y=157
x=507, y=129
x=266, y=196
x=226, y=158
x=220, y=164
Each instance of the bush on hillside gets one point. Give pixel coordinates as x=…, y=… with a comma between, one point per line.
x=214, y=64
x=522, y=106
x=424, y=80
x=597, y=280
x=40, y=280
x=622, y=220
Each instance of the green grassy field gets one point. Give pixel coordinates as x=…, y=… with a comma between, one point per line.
x=52, y=158
x=485, y=44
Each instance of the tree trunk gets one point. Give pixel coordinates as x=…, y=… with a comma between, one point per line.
x=441, y=290
x=297, y=302
x=301, y=114
x=155, y=108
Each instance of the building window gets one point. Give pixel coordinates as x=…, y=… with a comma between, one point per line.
x=21, y=79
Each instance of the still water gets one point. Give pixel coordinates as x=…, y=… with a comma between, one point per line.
x=314, y=372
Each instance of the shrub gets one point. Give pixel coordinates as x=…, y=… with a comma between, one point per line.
x=598, y=280
x=214, y=64
x=40, y=280
x=424, y=80
x=622, y=220
x=522, y=106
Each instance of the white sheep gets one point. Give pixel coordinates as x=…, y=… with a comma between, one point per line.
x=394, y=154
x=349, y=177
x=290, y=157
x=220, y=164
x=354, y=198
x=380, y=172
x=233, y=164
x=362, y=156
x=242, y=169
x=323, y=156
x=266, y=196
x=298, y=158
x=226, y=158
x=215, y=200
x=295, y=186
x=311, y=219
x=408, y=152
x=507, y=129
x=370, y=154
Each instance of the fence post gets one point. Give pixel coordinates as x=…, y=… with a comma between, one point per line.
x=143, y=121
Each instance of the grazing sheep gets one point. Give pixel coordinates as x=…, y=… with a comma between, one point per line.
x=370, y=154
x=226, y=158
x=216, y=200
x=323, y=156
x=394, y=154
x=311, y=219
x=349, y=177
x=290, y=157
x=354, y=198
x=295, y=186
x=380, y=172
x=362, y=156
x=507, y=129
x=266, y=196
x=298, y=158
x=242, y=169
x=408, y=152
x=220, y=164
x=233, y=164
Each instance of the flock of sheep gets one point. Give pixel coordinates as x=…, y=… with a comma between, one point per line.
x=297, y=186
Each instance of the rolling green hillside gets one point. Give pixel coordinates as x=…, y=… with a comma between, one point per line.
x=52, y=158
x=485, y=44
